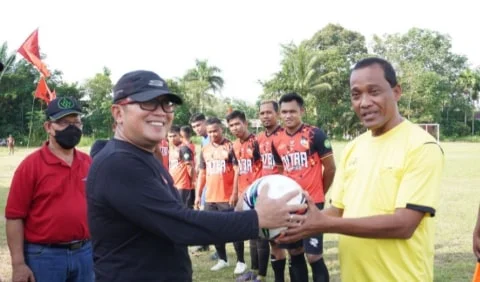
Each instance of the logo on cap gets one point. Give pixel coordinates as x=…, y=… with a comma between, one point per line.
x=65, y=103
x=156, y=83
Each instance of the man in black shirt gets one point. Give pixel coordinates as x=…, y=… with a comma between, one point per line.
x=139, y=227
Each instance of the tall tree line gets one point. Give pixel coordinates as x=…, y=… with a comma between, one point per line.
x=439, y=86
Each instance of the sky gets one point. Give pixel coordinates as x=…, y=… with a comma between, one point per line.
x=242, y=38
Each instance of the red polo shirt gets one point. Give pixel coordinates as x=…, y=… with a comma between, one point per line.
x=49, y=196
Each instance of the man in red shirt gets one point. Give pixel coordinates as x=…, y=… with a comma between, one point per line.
x=181, y=166
x=217, y=174
x=248, y=167
x=268, y=114
x=47, y=231
x=305, y=152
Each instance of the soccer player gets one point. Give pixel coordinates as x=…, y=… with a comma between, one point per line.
x=216, y=173
x=199, y=126
x=47, y=230
x=305, y=152
x=181, y=166
x=385, y=192
x=140, y=229
x=268, y=114
x=186, y=134
x=248, y=167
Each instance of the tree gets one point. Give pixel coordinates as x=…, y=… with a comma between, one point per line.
x=303, y=73
x=327, y=57
x=98, y=92
x=200, y=80
x=427, y=70
x=468, y=83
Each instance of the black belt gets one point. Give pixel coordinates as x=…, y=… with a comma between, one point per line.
x=70, y=245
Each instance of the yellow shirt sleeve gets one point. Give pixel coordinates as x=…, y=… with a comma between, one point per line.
x=420, y=184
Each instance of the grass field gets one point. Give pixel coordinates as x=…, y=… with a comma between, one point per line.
x=456, y=215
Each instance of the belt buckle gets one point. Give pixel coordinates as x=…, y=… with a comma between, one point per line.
x=76, y=245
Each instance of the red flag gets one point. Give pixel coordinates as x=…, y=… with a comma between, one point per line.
x=42, y=91
x=31, y=52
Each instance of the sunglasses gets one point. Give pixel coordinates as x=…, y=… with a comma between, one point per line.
x=152, y=105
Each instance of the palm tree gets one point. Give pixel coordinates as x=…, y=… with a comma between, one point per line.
x=302, y=67
x=201, y=79
x=469, y=84
x=5, y=58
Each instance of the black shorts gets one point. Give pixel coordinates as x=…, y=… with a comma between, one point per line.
x=312, y=245
x=188, y=197
x=218, y=207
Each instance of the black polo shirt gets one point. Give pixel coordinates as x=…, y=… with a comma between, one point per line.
x=140, y=230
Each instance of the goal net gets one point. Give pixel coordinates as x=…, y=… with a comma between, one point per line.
x=432, y=128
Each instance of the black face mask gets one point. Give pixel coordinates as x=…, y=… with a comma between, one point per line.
x=69, y=137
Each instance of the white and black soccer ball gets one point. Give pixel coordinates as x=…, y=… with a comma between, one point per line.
x=279, y=185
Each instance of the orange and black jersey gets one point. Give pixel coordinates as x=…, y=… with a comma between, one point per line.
x=180, y=164
x=270, y=165
x=217, y=162
x=163, y=152
x=301, y=155
x=248, y=160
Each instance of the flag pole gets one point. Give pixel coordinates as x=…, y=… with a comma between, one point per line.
x=31, y=123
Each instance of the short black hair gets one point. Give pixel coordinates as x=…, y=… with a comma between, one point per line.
x=214, y=120
x=187, y=130
x=291, y=97
x=388, y=70
x=175, y=129
x=273, y=102
x=197, y=117
x=236, y=114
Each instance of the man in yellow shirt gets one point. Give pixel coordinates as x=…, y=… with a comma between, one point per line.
x=385, y=190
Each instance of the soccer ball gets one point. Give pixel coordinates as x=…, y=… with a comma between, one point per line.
x=279, y=185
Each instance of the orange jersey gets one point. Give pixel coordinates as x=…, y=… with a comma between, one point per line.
x=270, y=165
x=248, y=160
x=217, y=162
x=301, y=155
x=180, y=163
x=163, y=147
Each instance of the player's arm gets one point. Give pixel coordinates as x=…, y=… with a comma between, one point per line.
x=18, y=203
x=186, y=156
x=201, y=179
x=234, y=160
x=476, y=237
x=277, y=159
x=322, y=146
x=159, y=212
x=416, y=199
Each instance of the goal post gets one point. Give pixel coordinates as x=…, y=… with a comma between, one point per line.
x=432, y=128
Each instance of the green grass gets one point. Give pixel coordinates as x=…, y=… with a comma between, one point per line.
x=455, y=219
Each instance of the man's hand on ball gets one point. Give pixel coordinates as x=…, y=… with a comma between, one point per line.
x=274, y=213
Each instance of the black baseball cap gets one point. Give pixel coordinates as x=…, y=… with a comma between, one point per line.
x=142, y=86
x=62, y=106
